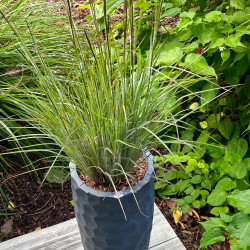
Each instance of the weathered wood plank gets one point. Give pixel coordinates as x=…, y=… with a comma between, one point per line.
x=66, y=236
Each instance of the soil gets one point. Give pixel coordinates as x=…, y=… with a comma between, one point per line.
x=134, y=178
x=39, y=207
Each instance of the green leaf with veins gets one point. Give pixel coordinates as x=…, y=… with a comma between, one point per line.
x=226, y=184
x=212, y=236
x=198, y=64
x=238, y=4
x=217, y=197
x=239, y=229
x=241, y=200
x=214, y=222
x=238, y=170
x=217, y=210
x=226, y=128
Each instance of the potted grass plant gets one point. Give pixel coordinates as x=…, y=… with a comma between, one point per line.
x=105, y=109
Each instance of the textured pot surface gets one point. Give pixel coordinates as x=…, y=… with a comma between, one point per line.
x=101, y=220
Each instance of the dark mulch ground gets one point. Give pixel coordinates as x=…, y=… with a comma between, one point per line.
x=39, y=208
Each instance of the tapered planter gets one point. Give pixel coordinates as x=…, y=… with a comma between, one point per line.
x=101, y=220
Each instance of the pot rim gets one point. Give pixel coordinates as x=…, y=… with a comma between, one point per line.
x=136, y=188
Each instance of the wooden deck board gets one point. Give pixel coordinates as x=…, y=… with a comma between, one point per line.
x=65, y=236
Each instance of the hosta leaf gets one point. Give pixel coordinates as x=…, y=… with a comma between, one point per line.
x=217, y=197
x=225, y=184
x=212, y=236
x=239, y=229
x=226, y=128
x=241, y=200
x=198, y=64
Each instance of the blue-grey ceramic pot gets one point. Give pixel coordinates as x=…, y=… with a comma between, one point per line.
x=101, y=220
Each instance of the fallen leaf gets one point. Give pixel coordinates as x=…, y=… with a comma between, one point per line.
x=177, y=216
x=195, y=214
x=6, y=227
x=38, y=228
x=11, y=206
x=182, y=225
x=171, y=203
x=204, y=217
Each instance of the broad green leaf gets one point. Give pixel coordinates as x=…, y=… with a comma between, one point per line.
x=170, y=175
x=238, y=170
x=239, y=146
x=190, y=14
x=189, y=190
x=217, y=197
x=180, y=202
x=209, y=92
x=225, y=54
x=195, y=193
x=214, y=222
x=206, y=184
x=217, y=210
x=225, y=184
x=183, y=23
x=184, y=185
x=233, y=41
x=169, y=190
x=198, y=64
x=112, y=5
x=203, y=124
x=196, y=179
x=71, y=202
x=226, y=218
x=226, y=128
x=169, y=57
x=188, y=199
x=241, y=200
x=213, y=16
x=213, y=120
x=238, y=4
x=204, y=194
x=171, y=12
x=215, y=150
x=197, y=204
x=212, y=236
x=202, y=139
x=239, y=229
x=247, y=163
x=232, y=157
x=159, y=185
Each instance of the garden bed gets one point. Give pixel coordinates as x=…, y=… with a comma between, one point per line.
x=50, y=205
